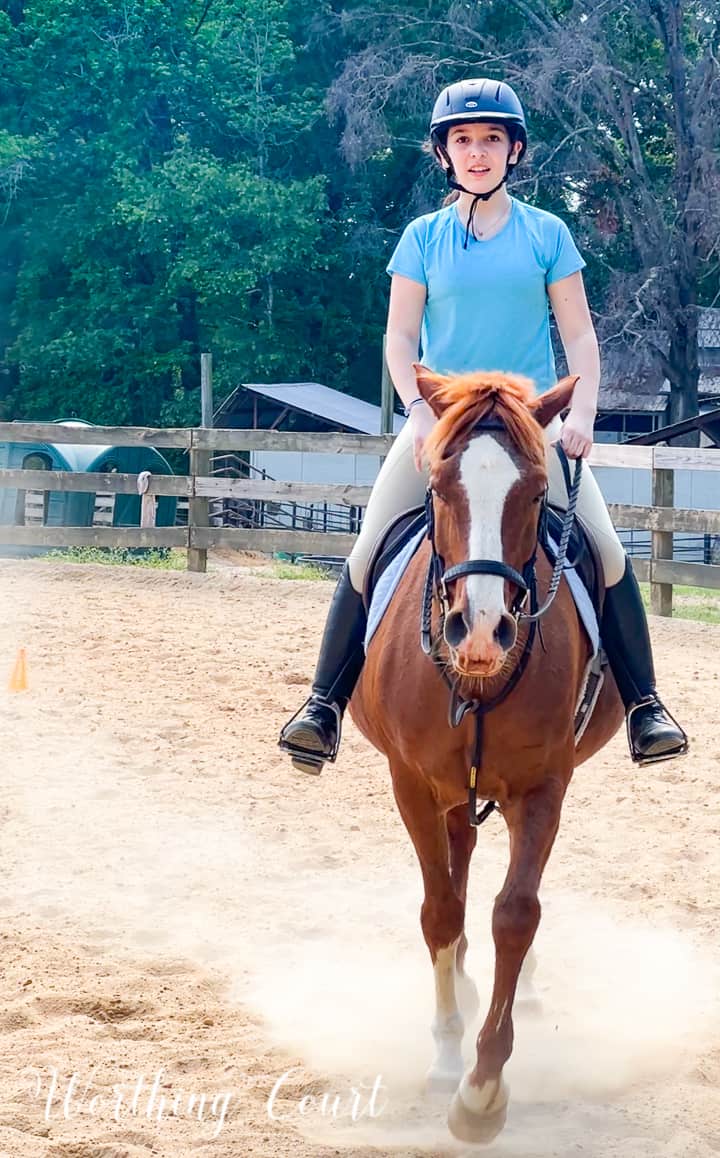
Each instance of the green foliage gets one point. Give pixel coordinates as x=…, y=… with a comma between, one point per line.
x=160, y=214
x=697, y=603
x=233, y=175
x=160, y=558
x=307, y=571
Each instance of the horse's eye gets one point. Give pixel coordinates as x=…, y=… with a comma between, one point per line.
x=539, y=498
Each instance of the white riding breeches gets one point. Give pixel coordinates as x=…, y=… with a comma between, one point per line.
x=399, y=487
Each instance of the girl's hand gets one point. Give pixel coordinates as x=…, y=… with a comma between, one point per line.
x=576, y=437
x=421, y=421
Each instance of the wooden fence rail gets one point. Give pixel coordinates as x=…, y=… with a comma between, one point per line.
x=199, y=438
x=661, y=519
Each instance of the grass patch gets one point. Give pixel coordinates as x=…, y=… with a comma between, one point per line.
x=698, y=603
x=160, y=558
x=301, y=571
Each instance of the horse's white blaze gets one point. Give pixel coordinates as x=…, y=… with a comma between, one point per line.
x=487, y=472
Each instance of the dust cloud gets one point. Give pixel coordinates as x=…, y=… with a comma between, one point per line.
x=336, y=965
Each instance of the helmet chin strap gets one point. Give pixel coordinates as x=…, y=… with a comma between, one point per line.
x=453, y=183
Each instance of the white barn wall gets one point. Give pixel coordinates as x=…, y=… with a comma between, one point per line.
x=697, y=490
x=288, y=466
x=693, y=489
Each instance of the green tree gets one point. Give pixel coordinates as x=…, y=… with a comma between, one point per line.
x=159, y=210
x=624, y=102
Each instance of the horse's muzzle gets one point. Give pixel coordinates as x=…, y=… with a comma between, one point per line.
x=480, y=649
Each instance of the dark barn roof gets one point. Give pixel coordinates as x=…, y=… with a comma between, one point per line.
x=708, y=423
x=709, y=329
x=331, y=407
x=612, y=399
x=650, y=392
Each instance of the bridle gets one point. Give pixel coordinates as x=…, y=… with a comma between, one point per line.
x=525, y=582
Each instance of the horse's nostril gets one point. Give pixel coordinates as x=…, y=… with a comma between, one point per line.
x=455, y=628
x=506, y=632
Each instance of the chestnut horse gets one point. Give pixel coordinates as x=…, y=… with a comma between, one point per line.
x=487, y=482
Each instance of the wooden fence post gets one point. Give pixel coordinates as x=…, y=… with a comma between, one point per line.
x=663, y=495
x=200, y=461
x=198, y=509
x=206, y=390
x=148, y=501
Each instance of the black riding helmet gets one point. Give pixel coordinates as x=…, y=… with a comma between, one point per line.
x=479, y=99
x=484, y=100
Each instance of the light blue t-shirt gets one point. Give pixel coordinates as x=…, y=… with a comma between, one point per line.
x=487, y=305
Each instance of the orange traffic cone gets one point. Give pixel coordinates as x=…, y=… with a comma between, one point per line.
x=18, y=679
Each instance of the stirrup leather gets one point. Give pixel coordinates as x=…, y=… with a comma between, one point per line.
x=312, y=756
x=638, y=757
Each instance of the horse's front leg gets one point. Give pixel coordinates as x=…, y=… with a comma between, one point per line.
x=463, y=838
x=442, y=918
x=478, y=1110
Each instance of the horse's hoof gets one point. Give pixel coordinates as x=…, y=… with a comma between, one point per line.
x=469, y=1126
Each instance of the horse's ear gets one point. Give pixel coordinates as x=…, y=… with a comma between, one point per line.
x=429, y=384
x=554, y=401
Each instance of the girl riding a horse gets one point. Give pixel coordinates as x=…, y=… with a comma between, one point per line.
x=470, y=287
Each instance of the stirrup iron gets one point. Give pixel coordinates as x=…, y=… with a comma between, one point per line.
x=309, y=759
x=637, y=757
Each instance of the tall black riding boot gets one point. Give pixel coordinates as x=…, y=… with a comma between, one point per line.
x=314, y=737
x=653, y=734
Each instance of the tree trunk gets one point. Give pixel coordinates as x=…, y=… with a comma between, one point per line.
x=189, y=331
x=683, y=388
x=683, y=366
x=16, y=12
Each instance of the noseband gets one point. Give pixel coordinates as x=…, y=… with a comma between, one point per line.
x=439, y=577
x=525, y=582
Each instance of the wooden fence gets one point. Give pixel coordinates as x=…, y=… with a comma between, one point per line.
x=199, y=488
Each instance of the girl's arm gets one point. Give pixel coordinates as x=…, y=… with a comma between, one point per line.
x=579, y=340
x=407, y=303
